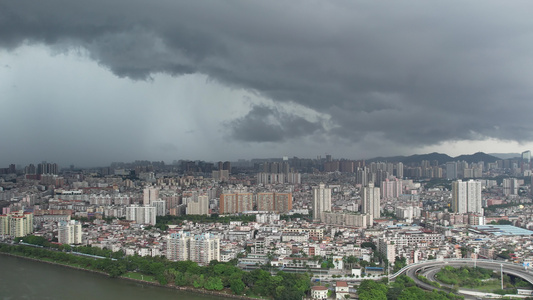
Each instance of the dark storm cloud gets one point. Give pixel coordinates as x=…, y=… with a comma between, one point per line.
x=413, y=72
x=267, y=124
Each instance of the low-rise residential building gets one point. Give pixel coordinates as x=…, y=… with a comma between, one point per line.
x=341, y=290
x=319, y=292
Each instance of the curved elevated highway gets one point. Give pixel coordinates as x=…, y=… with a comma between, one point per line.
x=507, y=268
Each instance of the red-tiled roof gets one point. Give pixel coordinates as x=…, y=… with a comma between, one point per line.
x=342, y=284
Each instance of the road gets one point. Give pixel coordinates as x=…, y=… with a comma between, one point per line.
x=431, y=267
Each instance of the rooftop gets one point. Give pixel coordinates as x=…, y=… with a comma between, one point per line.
x=502, y=230
x=342, y=283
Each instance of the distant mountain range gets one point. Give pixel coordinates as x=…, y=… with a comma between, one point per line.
x=440, y=157
x=506, y=155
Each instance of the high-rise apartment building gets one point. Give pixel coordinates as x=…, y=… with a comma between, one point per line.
x=200, y=248
x=371, y=204
x=399, y=170
x=274, y=202
x=221, y=175
x=321, y=202
x=283, y=202
x=510, y=186
x=265, y=201
x=172, y=199
x=276, y=167
x=141, y=214
x=391, y=189
x=160, y=207
x=16, y=224
x=466, y=196
x=436, y=172
x=47, y=168
x=224, y=166
x=227, y=166
x=526, y=156
x=198, y=205
x=205, y=247
x=387, y=248
x=178, y=245
x=451, y=170
x=459, y=197
x=30, y=170
x=231, y=203
x=362, y=176
x=69, y=232
x=275, y=178
x=150, y=194
x=270, y=178
x=347, y=166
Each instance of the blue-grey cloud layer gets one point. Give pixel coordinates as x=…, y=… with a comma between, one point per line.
x=412, y=72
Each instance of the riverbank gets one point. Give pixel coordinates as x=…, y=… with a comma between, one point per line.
x=144, y=282
x=218, y=278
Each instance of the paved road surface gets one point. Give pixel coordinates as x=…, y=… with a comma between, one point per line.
x=430, y=268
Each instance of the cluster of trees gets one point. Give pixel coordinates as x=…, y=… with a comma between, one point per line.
x=505, y=254
x=112, y=267
x=439, y=183
x=501, y=222
x=464, y=276
x=403, y=288
x=350, y=262
x=427, y=281
x=378, y=259
x=475, y=277
x=389, y=214
x=99, y=252
x=295, y=216
x=494, y=207
x=43, y=242
x=36, y=240
x=216, y=276
x=369, y=245
x=399, y=263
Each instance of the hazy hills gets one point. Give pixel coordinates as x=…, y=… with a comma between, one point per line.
x=440, y=157
x=506, y=155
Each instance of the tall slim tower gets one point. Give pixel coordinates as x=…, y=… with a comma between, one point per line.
x=362, y=176
x=459, y=202
x=150, y=194
x=399, y=170
x=526, y=156
x=451, y=170
x=371, y=201
x=321, y=201
x=510, y=186
x=466, y=196
x=474, y=196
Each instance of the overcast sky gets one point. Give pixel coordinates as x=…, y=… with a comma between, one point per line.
x=91, y=82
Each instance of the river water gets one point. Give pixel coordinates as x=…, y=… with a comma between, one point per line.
x=26, y=279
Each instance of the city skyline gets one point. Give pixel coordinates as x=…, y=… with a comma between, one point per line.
x=35, y=165
x=222, y=81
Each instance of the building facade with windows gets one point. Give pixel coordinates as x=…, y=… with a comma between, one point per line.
x=200, y=248
x=69, y=232
x=321, y=202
